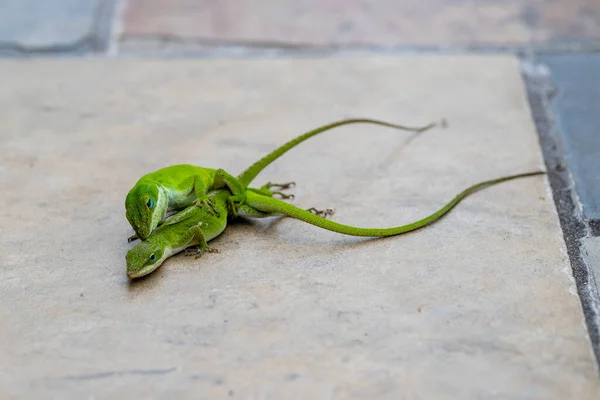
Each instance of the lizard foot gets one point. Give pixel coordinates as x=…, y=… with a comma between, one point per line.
x=209, y=205
x=279, y=186
x=207, y=250
x=191, y=251
x=196, y=251
x=284, y=195
x=132, y=238
x=321, y=213
x=232, y=207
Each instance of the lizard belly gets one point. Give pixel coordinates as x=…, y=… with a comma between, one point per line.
x=171, y=252
x=212, y=229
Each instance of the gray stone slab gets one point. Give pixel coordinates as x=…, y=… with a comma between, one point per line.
x=591, y=246
x=479, y=305
x=577, y=111
x=30, y=26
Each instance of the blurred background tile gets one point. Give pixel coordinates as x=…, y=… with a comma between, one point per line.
x=56, y=25
x=364, y=22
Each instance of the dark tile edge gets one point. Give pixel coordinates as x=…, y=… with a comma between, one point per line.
x=173, y=46
x=97, y=40
x=540, y=91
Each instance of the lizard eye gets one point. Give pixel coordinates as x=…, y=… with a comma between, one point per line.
x=150, y=203
x=152, y=257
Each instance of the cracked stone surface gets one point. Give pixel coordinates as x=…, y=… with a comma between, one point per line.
x=479, y=305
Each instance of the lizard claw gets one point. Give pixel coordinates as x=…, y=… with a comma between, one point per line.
x=197, y=251
x=321, y=213
x=284, y=195
x=280, y=186
x=209, y=205
x=191, y=251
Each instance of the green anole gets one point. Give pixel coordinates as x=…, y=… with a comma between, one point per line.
x=196, y=226
x=175, y=187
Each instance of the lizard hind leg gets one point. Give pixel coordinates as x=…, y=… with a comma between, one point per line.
x=238, y=191
x=266, y=191
x=251, y=212
x=244, y=210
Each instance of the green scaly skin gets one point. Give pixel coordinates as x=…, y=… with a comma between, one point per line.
x=168, y=189
x=195, y=226
x=178, y=186
x=272, y=206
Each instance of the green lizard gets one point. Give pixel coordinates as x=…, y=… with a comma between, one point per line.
x=196, y=226
x=175, y=187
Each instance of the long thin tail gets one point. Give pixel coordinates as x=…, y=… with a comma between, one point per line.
x=268, y=204
x=249, y=174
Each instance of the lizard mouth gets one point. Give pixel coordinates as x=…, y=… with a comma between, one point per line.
x=143, y=234
x=148, y=269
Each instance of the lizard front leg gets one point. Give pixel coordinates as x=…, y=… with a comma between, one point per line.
x=205, y=202
x=202, y=246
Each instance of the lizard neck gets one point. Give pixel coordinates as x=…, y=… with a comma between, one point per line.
x=162, y=202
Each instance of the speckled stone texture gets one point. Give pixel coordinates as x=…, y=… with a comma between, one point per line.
x=480, y=305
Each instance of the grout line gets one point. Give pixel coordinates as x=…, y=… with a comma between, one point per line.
x=107, y=35
x=282, y=47
x=117, y=28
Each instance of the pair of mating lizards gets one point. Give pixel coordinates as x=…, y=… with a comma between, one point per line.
x=204, y=199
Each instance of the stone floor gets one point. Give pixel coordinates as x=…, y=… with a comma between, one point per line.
x=470, y=307
x=498, y=300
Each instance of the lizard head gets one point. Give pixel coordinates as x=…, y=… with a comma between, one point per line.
x=144, y=258
x=145, y=206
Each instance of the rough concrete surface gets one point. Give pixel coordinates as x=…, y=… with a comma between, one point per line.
x=480, y=305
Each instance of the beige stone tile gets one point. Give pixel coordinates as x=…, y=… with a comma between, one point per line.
x=480, y=305
x=366, y=22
